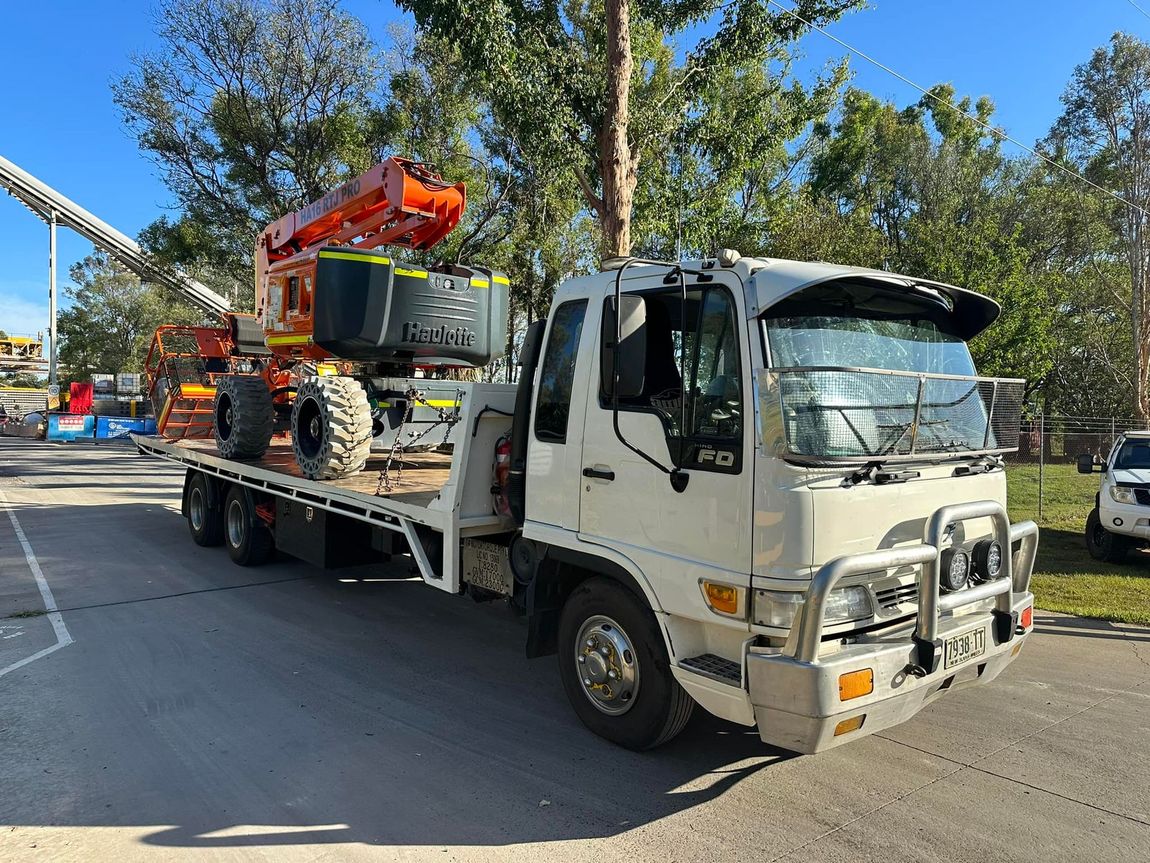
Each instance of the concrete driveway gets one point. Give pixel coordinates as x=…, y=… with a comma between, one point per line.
x=205, y=711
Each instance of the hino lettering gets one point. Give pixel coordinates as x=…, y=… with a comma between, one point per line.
x=417, y=333
x=722, y=458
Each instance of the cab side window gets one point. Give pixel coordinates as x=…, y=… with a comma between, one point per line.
x=693, y=378
x=557, y=374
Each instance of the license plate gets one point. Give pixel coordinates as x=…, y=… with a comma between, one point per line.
x=961, y=648
x=485, y=565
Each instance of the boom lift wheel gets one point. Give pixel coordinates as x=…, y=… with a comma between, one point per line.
x=248, y=539
x=614, y=666
x=330, y=427
x=243, y=417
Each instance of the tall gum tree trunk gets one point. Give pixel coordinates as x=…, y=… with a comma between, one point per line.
x=617, y=163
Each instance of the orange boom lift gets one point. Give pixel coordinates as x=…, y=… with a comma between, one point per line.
x=324, y=292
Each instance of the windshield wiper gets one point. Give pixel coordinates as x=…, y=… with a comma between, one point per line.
x=873, y=471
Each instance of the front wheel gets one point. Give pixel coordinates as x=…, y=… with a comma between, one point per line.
x=1102, y=544
x=615, y=669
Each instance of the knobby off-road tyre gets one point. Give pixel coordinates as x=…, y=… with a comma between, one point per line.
x=243, y=416
x=615, y=670
x=1104, y=545
x=248, y=540
x=205, y=518
x=330, y=427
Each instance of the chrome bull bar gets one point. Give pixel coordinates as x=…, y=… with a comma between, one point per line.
x=1014, y=579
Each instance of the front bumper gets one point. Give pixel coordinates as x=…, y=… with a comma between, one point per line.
x=795, y=693
x=1134, y=518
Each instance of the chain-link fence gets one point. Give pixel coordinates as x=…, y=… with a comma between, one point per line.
x=1043, y=478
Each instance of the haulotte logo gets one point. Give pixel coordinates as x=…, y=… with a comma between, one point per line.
x=416, y=332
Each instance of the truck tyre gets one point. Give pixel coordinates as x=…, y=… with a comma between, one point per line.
x=331, y=427
x=247, y=538
x=243, y=417
x=614, y=667
x=205, y=518
x=1102, y=544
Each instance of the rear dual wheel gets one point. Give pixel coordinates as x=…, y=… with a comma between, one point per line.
x=205, y=518
x=247, y=537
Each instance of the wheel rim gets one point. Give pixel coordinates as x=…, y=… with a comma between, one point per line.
x=196, y=508
x=224, y=416
x=607, y=666
x=309, y=428
x=1098, y=536
x=236, y=524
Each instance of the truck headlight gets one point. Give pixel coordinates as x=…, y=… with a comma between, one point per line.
x=1122, y=495
x=777, y=608
x=847, y=604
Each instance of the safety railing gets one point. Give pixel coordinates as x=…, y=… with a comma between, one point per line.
x=841, y=414
x=1014, y=578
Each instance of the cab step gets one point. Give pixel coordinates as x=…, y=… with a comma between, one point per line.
x=715, y=667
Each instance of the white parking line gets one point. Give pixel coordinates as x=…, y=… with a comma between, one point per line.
x=63, y=638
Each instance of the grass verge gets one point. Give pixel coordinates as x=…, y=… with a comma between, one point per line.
x=1066, y=578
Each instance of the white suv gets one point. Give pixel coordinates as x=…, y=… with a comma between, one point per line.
x=1120, y=519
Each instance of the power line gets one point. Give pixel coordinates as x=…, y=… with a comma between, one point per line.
x=991, y=129
x=1139, y=8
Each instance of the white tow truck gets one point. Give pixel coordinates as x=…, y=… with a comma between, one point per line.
x=1119, y=521
x=770, y=488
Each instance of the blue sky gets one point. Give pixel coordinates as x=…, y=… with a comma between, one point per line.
x=58, y=122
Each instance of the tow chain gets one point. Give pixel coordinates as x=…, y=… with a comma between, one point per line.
x=447, y=417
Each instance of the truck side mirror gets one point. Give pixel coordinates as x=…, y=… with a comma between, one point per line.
x=1086, y=464
x=629, y=356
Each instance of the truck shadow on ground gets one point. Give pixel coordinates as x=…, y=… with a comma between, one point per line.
x=285, y=705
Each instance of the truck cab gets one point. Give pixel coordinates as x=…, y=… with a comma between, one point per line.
x=1120, y=520
x=772, y=488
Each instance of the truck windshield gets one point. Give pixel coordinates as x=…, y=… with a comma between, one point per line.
x=1134, y=455
x=868, y=372
x=859, y=326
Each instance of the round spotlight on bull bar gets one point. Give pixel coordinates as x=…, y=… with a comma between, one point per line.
x=987, y=559
x=955, y=570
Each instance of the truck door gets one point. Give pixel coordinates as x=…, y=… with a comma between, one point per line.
x=693, y=412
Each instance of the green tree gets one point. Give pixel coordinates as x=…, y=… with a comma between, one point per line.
x=1104, y=131
x=21, y=379
x=597, y=86
x=112, y=317
x=252, y=108
x=732, y=164
x=926, y=192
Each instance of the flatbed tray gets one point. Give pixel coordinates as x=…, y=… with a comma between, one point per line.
x=415, y=478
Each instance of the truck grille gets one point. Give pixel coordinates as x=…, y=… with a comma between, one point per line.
x=892, y=597
x=1142, y=495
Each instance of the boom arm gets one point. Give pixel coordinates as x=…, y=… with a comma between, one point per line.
x=398, y=203
x=42, y=200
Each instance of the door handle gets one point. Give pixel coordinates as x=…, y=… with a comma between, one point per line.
x=595, y=473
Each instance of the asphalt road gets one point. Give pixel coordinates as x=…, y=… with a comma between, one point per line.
x=205, y=711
